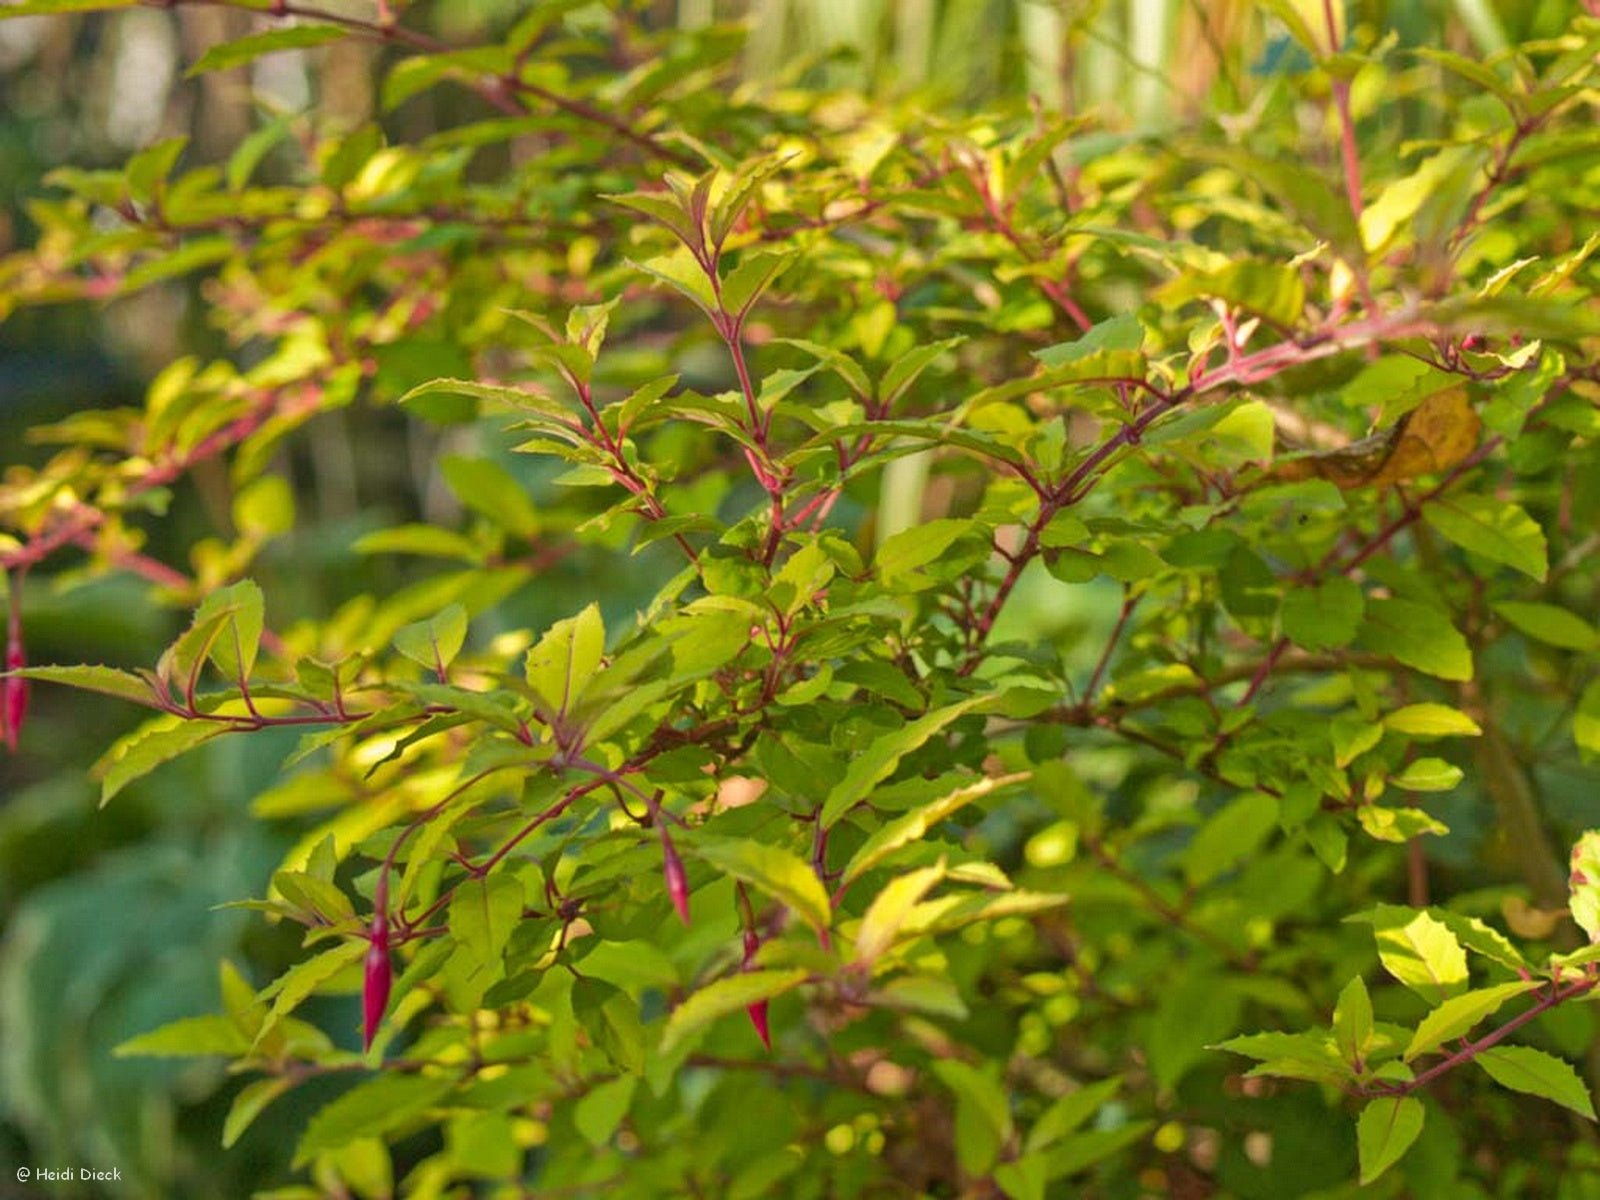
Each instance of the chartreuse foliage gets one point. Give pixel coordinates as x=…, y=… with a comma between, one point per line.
x=1081, y=576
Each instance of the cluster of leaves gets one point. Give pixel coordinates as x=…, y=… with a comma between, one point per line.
x=1073, y=559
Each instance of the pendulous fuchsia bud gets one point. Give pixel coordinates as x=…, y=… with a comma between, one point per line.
x=379, y=975
x=14, y=695
x=677, y=882
x=758, y=1018
x=757, y=1012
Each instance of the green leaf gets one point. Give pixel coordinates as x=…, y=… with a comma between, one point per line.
x=434, y=643
x=1069, y=1112
x=983, y=1114
x=666, y=210
x=151, y=748
x=257, y=144
x=1083, y=1150
x=488, y=488
x=1498, y=530
x=730, y=995
x=1431, y=721
x=417, y=72
x=566, y=659
x=226, y=629
x=755, y=273
x=953, y=912
x=427, y=540
x=879, y=760
x=491, y=708
x=1384, y=1132
x=1550, y=624
x=481, y=1144
x=1314, y=199
x=773, y=870
x=1418, y=950
x=483, y=912
x=1470, y=932
x=552, y=415
x=903, y=372
x=1309, y=1056
x=148, y=170
x=836, y=360
x=1024, y=1178
x=239, y=999
x=904, y=552
x=1477, y=937
x=914, y=825
x=1398, y=824
x=1460, y=1013
x=612, y=1018
x=930, y=995
x=252, y=1099
x=371, y=1109
x=621, y=416
x=1427, y=775
x=1586, y=719
x=1352, y=1023
x=1414, y=207
x=1233, y=834
x=1476, y=73
x=1325, y=616
x=1269, y=290
x=290, y=989
x=598, y=1114
x=683, y=274
x=315, y=896
x=1524, y=1069
x=889, y=909
x=1418, y=635
x=234, y=650
x=1352, y=738
x=726, y=212
x=241, y=51
x=107, y=681
x=188, y=1037
x=1123, y=332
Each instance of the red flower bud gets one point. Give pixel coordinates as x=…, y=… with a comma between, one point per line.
x=677, y=882
x=757, y=1012
x=758, y=1018
x=14, y=696
x=375, y=985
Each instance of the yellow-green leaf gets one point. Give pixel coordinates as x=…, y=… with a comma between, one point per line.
x=1460, y=1013
x=889, y=910
x=1498, y=530
x=773, y=870
x=1384, y=1132
x=730, y=995
x=1524, y=1069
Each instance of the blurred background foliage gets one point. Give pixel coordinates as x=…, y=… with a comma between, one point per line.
x=107, y=919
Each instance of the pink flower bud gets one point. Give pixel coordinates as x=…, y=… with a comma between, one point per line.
x=677, y=882
x=375, y=985
x=758, y=1018
x=757, y=1011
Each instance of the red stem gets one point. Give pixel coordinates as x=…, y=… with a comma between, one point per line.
x=1556, y=995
